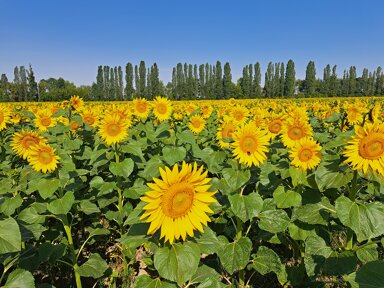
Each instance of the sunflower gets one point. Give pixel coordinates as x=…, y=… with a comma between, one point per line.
x=366, y=149
x=113, y=129
x=224, y=131
x=89, y=117
x=44, y=120
x=294, y=130
x=5, y=117
x=162, y=108
x=305, y=154
x=76, y=102
x=178, y=202
x=274, y=126
x=42, y=158
x=196, y=124
x=250, y=145
x=239, y=114
x=141, y=108
x=23, y=141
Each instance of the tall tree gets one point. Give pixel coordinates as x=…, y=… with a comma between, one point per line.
x=195, y=82
x=257, y=81
x=219, y=81
x=202, y=81
x=379, y=81
x=310, y=80
x=364, y=87
x=333, y=83
x=32, y=85
x=227, y=81
x=276, y=81
x=245, y=83
x=99, y=91
x=120, y=83
x=281, y=84
x=290, y=79
x=24, y=84
x=129, y=81
x=4, y=87
x=17, y=82
x=268, y=83
x=155, y=81
x=107, y=83
x=326, y=80
x=250, y=82
x=352, y=81
x=142, y=78
x=137, y=82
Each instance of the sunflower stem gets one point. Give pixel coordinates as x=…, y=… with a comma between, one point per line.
x=353, y=190
x=239, y=228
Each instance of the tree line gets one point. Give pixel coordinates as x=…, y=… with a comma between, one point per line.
x=196, y=81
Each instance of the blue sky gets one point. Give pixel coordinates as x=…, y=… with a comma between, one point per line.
x=70, y=38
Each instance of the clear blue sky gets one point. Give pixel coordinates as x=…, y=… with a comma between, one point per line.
x=70, y=38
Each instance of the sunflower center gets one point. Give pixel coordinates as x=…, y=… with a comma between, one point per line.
x=45, y=121
x=238, y=115
x=249, y=145
x=89, y=119
x=178, y=200
x=141, y=107
x=161, y=108
x=305, y=154
x=295, y=133
x=1, y=117
x=275, y=126
x=227, y=131
x=28, y=141
x=372, y=147
x=45, y=157
x=113, y=129
x=196, y=123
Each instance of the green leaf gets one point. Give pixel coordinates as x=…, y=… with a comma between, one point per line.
x=63, y=205
x=236, y=178
x=20, y=278
x=87, y=207
x=328, y=175
x=300, y=231
x=151, y=168
x=10, y=236
x=246, y=207
x=274, y=221
x=317, y=213
x=371, y=275
x=123, y=168
x=50, y=253
x=235, y=256
x=9, y=205
x=178, y=262
x=94, y=267
x=368, y=253
x=134, y=216
x=298, y=176
x=46, y=187
x=286, y=199
x=364, y=219
x=266, y=260
x=172, y=155
x=204, y=272
x=208, y=241
x=145, y=281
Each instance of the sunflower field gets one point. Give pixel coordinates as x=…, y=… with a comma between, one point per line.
x=223, y=193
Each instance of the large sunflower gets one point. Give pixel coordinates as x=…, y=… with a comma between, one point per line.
x=44, y=120
x=178, y=202
x=162, y=108
x=42, y=158
x=141, y=108
x=239, y=114
x=294, y=130
x=250, y=145
x=366, y=149
x=113, y=129
x=196, y=124
x=306, y=154
x=23, y=141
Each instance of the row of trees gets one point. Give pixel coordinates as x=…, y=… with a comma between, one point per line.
x=192, y=81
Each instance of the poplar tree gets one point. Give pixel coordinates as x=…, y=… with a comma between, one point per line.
x=24, y=84
x=379, y=81
x=106, y=82
x=99, y=83
x=137, y=82
x=364, y=88
x=195, y=82
x=120, y=83
x=276, y=81
x=142, y=77
x=326, y=80
x=32, y=85
x=129, y=81
x=174, y=82
x=202, y=81
x=112, y=87
x=250, y=82
x=17, y=83
x=281, y=84
x=352, y=81
x=227, y=81
x=155, y=81
x=333, y=83
x=245, y=82
x=257, y=81
x=310, y=80
x=290, y=79
x=4, y=86
x=268, y=83
x=219, y=81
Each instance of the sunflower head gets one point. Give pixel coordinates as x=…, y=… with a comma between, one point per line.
x=224, y=131
x=42, y=158
x=76, y=102
x=365, y=151
x=23, y=141
x=196, y=124
x=294, y=130
x=141, y=108
x=113, y=129
x=162, y=108
x=178, y=202
x=250, y=145
x=305, y=154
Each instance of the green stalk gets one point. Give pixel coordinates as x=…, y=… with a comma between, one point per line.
x=68, y=232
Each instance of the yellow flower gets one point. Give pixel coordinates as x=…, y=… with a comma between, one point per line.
x=89, y=117
x=42, y=158
x=250, y=145
x=366, y=149
x=305, y=154
x=162, y=108
x=23, y=141
x=294, y=130
x=44, y=120
x=76, y=102
x=5, y=117
x=196, y=124
x=239, y=114
x=224, y=131
x=113, y=129
x=178, y=202
x=141, y=108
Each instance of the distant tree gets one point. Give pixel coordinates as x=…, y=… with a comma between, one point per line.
x=325, y=87
x=379, y=90
x=4, y=87
x=227, y=81
x=202, y=81
x=137, y=82
x=310, y=80
x=345, y=83
x=112, y=85
x=142, y=78
x=268, y=83
x=333, y=83
x=290, y=79
x=195, y=82
x=257, y=81
x=107, y=83
x=155, y=81
x=245, y=83
x=250, y=81
x=120, y=83
x=129, y=81
x=219, y=81
x=99, y=88
x=190, y=84
x=32, y=86
x=352, y=81
x=148, y=88
x=276, y=81
x=282, y=80
x=17, y=82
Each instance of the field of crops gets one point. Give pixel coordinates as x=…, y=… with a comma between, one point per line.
x=226, y=193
